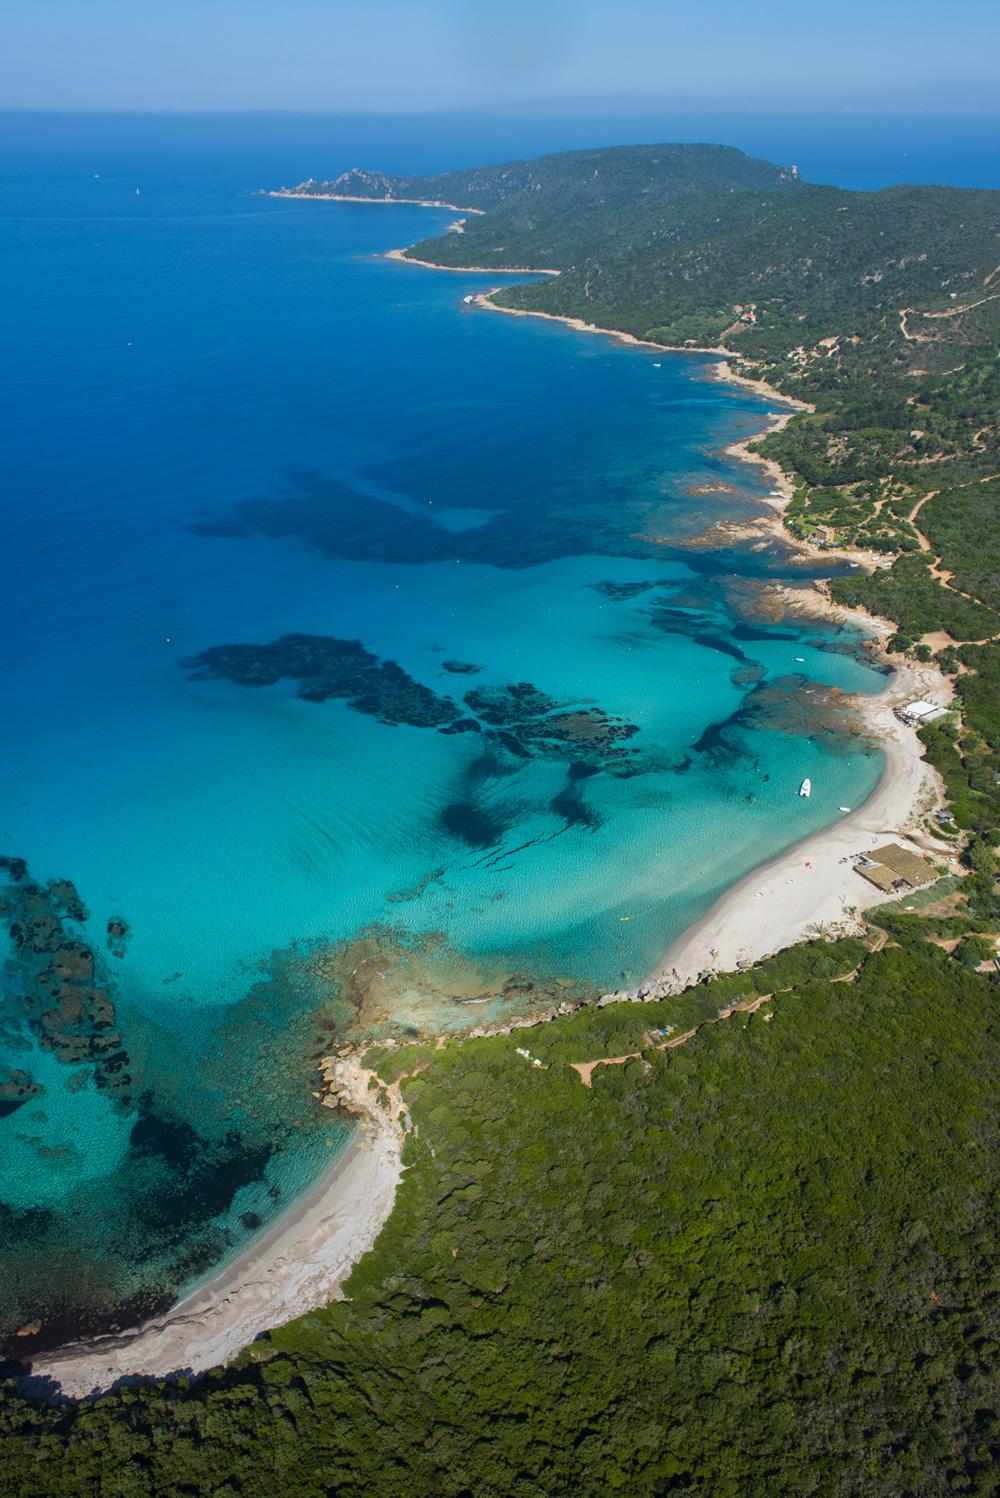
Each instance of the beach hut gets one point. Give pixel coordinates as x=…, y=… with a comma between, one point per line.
x=895, y=869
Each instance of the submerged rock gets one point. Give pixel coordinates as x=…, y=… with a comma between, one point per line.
x=522, y=719
x=461, y=668
x=328, y=667
x=62, y=995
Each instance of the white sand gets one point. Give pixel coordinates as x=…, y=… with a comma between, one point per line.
x=784, y=901
x=300, y=1265
x=343, y=197
x=515, y=270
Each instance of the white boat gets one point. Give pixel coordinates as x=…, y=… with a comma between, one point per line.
x=805, y=789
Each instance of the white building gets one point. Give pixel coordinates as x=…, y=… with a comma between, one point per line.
x=918, y=713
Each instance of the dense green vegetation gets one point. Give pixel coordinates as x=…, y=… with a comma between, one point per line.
x=968, y=755
x=961, y=525
x=556, y=190
x=760, y=1263
x=910, y=595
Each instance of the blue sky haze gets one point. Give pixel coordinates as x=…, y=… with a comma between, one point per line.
x=397, y=55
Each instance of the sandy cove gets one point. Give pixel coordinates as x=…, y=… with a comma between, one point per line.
x=302, y=1263
x=299, y=1265
x=786, y=901
x=813, y=888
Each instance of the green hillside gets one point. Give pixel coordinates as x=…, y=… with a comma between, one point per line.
x=762, y=1263
x=555, y=189
x=882, y=310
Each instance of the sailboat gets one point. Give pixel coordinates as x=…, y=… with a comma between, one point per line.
x=805, y=789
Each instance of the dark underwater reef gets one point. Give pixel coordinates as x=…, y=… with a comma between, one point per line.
x=98, y=1254
x=519, y=717
x=59, y=990
x=339, y=521
x=609, y=515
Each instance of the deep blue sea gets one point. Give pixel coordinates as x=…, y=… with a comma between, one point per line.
x=521, y=737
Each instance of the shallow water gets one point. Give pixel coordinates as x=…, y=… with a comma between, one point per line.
x=230, y=422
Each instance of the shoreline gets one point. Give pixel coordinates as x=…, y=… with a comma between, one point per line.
x=721, y=369
x=301, y=1263
x=812, y=888
x=296, y=1267
x=343, y=197
x=463, y=270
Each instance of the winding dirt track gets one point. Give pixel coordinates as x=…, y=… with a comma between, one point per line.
x=586, y=1068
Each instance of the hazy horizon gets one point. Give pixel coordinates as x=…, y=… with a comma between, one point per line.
x=456, y=54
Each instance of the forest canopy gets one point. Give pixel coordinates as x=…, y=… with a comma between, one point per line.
x=762, y=1261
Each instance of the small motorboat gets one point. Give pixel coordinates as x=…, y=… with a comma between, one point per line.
x=805, y=789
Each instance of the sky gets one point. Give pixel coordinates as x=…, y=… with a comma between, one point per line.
x=393, y=56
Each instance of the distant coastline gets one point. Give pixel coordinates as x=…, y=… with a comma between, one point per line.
x=343, y=197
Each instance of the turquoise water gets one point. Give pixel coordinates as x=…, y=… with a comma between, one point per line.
x=229, y=422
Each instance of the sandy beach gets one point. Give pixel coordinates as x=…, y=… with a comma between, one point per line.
x=343, y=197
x=482, y=299
x=813, y=889
x=515, y=270
x=298, y=1266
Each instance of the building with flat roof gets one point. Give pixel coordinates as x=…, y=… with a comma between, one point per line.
x=894, y=868
x=919, y=712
